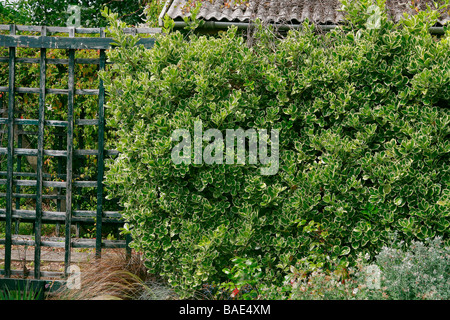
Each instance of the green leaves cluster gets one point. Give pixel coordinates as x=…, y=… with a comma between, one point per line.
x=364, y=121
x=13, y=12
x=57, y=12
x=244, y=279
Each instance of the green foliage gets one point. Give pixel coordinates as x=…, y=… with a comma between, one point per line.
x=13, y=12
x=364, y=121
x=57, y=12
x=321, y=285
x=22, y=294
x=245, y=277
x=419, y=271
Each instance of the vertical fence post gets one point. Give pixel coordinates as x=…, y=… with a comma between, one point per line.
x=40, y=161
x=71, y=93
x=10, y=159
x=19, y=169
x=58, y=201
x=101, y=148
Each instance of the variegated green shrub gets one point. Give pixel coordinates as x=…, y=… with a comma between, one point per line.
x=364, y=120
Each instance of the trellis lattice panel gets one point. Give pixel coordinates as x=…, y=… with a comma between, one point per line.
x=45, y=168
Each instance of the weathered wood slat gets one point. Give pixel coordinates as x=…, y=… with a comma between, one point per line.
x=54, y=61
x=34, y=152
x=58, y=153
x=33, y=196
x=91, y=92
x=86, y=152
x=64, y=43
x=35, y=122
x=52, y=184
x=44, y=274
x=20, y=195
x=29, y=132
x=85, y=184
x=86, y=122
x=90, y=243
x=96, y=152
x=32, y=183
x=51, y=274
x=76, y=243
x=33, y=175
x=83, y=214
x=55, y=216
x=77, y=30
x=143, y=30
x=52, y=123
x=55, y=153
x=92, y=213
x=54, y=42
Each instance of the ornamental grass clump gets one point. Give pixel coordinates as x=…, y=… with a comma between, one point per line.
x=364, y=125
x=115, y=277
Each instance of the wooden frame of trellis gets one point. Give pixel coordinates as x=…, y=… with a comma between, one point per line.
x=70, y=216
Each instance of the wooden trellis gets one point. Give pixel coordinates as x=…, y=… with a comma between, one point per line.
x=40, y=179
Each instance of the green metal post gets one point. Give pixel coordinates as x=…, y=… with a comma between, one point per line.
x=10, y=157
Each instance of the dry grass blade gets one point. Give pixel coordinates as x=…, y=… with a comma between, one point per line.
x=112, y=277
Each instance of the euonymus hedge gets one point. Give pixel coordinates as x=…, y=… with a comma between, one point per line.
x=364, y=124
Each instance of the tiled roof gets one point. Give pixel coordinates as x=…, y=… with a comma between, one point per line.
x=292, y=11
